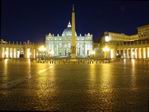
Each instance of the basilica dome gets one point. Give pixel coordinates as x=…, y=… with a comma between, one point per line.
x=67, y=31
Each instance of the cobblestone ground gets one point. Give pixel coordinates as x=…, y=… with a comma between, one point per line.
x=110, y=87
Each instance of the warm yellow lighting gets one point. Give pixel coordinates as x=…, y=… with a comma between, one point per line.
x=5, y=70
x=18, y=54
x=124, y=61
x=148, y=52
x=14, y=53
x=106, y=49
x=52, y=52
x=92, y=52
x=144, y=52
x=42, y=48
x=112, y=53
x=106, y=52
x=140, y=55
x=133, y=61
x=6, y=61
x=132, y=54
x=107, y=38
x=28, y=53
x=6, y=54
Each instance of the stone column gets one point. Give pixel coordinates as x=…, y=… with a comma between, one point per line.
x=7, y=52
x=29, y=53
x=25, y=53
x=112, y=53
x=10, y=52
x=3, y=52
x=56, y=50
x=14, y=53
x=136, y=55
x=121, y=52
x=85, y=49
x=144, y=53
x=124, y=54
x=140, y=53
x=147, y=52
x=127, y=53
x=0, y=52
x=18, y=53
x=131, y=53
x=33, y=53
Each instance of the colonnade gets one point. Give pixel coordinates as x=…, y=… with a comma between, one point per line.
x=129, y=53
x=137, y=53
x=18, y=51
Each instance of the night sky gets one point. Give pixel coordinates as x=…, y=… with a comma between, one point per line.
x=23, y=20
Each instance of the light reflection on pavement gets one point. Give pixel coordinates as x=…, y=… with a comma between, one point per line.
x=109, y=87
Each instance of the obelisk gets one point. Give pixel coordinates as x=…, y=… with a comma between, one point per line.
x=73, y=38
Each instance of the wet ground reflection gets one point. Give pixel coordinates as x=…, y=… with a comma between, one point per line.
x=5, y=77
x=121, y=86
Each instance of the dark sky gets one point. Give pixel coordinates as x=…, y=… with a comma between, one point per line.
x=23, y=20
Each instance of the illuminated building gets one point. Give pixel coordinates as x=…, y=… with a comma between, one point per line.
x=60, y=46
x=64, y=45
x=126, y=46
x=15, y=50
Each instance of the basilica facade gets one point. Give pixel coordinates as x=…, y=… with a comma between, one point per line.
x=60, y=45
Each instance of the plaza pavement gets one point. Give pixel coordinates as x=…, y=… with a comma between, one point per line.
x=103, y=87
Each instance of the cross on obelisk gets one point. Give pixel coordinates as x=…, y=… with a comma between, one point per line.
x=73, y=38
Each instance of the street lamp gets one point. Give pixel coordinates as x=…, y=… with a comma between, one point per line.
x=42, y=48
x=107, y=38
